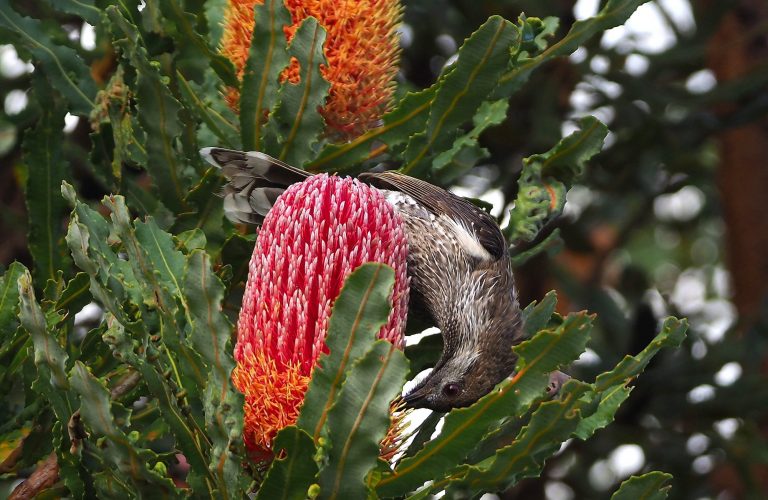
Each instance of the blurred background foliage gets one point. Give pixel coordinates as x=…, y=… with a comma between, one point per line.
x=668, y=219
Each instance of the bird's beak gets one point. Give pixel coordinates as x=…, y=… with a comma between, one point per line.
x=414, y=399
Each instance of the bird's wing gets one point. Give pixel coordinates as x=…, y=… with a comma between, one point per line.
x=441, y=202
x=255, y=182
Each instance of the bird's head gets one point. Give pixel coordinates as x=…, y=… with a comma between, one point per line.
x=459, y=381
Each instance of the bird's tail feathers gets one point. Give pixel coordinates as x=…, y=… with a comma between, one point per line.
x=255, y=182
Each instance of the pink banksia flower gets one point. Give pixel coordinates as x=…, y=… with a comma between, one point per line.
x=315, y=235
x=361, y=46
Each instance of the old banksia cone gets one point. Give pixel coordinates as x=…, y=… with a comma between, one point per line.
x=317, y=233
x=361, y=47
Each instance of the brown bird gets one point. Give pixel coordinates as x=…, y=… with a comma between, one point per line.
x=458, y=263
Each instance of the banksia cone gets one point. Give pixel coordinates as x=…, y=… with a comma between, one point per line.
x=361, y=47
x=317, y=233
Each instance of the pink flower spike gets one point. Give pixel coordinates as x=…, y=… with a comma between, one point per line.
x=317, y=233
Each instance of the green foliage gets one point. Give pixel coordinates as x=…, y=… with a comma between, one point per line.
x=120, y=398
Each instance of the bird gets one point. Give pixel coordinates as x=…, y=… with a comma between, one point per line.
x=458, y=264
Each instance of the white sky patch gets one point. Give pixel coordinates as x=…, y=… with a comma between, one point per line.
x=701, y=82
x=70, y=123
x=636, y=64
x=88, y=37
x=697, y=444
x=10, y=64
x=727, y=427
x=728, y=374
x=626, y=460
x=682, y=205
x=558, y=490
x=584, y=9
x=15, y=102
x=645, y=31
x=701, y=393
x=681, y=14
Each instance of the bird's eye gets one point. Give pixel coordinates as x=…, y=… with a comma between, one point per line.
x=451, y=390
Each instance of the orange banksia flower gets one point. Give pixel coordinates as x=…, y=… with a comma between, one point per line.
x=315, y=235
x=361, y=47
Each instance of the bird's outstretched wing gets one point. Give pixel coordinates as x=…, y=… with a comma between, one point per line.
x=439, y=201
x=255, y=182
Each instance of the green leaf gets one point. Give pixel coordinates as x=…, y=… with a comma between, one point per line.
x=466, y=151
x=651, y=486
x=464, y=427
x=410, y=116
x=158, y=114
x=67, y=72
x=614, y=13
x=181, y=426
x=197, y=101
x=546, y=177
x=84, y=8
x=295, y=124
x=192, y=47
x=536, y=315
x=266, y=60
x=75, y=295
x=46, y=171
x=611, y=385
x=50, y=357
x=550, y=425
x=9, y=301
x=210, y=335
x=293, y=471
x=130, y=461
x=359, y=420
x=481, y=60
x=358, y=314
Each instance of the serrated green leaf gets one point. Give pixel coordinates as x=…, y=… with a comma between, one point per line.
x=614, y=13
x=267, y=58
x=179, y=422
x=672, y=334
x=610, y=387
x=50, y=357
x=46, y=166
x=158, y=114
x=9, y=301
x=84, y=8
x=359, y=420
x=295, y=125
x=481, y=60
x=289, y=477
x=466, y=151
x=193, y=49
x=464, y=427
x=130, y=461
x=358, y=314
x=651, y=486
x=75, y=295
x=550, y=425
x=197, y=101
x=537, y=315
x=408, y=117
x=210, y=335
x=546, y=177
x=67, y=72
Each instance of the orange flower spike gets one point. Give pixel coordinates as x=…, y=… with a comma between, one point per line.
x=361, y=47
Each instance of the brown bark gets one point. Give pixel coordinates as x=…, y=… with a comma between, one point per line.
x=45, y=476
x=739, y=46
